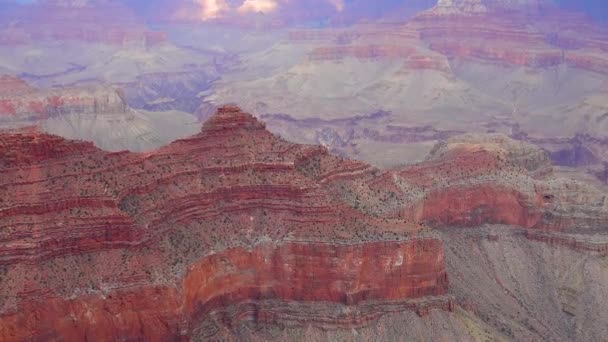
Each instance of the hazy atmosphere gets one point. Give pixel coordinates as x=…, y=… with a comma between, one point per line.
x=289, y=170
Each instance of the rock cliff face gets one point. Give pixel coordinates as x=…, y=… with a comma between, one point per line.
x=99, y=245
x=236, y=227
x=473, y=180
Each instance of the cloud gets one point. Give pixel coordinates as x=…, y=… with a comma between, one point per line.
x=263, y=6
x=213, y=9
x=338, y=4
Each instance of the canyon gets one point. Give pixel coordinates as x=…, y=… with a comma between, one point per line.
x=325, y=83
x=505, y=69
x=202, y=231
x=299, y=171
x=235, y=227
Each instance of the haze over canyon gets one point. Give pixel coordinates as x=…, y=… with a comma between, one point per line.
x=327, y=170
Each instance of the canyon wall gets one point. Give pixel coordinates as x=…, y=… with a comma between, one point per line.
x=235, y=226
x=98, y=245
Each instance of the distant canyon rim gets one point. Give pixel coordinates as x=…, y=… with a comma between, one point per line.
x=397, y=83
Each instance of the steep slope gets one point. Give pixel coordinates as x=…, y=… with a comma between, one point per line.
x=235, y=233
x=172, y=243
x=528, y=289
x=538, y=276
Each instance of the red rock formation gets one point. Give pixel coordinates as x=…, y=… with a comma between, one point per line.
x=97, y=245
x=472, y=181
x=299, y=272
x=497, y=38
x=382, y=41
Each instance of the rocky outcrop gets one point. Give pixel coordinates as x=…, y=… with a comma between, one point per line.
x=472, y=180
x=156, y=244
x=293, y=272
x=495, y=38
x=381, y=42
x=236, y=226
x=12, y=86
x=516, y=188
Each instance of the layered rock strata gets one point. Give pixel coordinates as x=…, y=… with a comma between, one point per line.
x=236, y=226
x=99, y=245
x=476, y=179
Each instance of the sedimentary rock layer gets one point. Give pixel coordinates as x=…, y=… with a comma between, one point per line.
x=99, y=245
x=166, y=244
x=472, y=180
x=298, y=272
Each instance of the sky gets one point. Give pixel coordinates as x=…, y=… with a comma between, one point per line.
x=596, y=8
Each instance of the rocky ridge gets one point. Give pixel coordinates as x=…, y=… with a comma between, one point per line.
x=235, y=225
x=514, y=33
x=228, y=201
